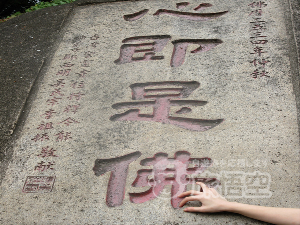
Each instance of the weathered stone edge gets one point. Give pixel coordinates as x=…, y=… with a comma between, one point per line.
x=7, y=141
x=295, y=59
x=294, y=35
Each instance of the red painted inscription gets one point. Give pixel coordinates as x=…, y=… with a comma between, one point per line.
x=185, y=15
x=160, y=97
x=117, y=181
x=180, y=47
x=62, y=136
x=259, y=40
x=128, y=50
x=178, y=172
x=47, y=152
x=157, y=44
x=42, y=166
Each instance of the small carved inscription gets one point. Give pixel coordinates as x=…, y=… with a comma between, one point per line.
x=38, y=184
x=258, y=40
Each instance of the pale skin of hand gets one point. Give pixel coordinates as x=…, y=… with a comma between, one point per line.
x=212, y=202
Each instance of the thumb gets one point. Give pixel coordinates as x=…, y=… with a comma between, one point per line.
x=193, y=209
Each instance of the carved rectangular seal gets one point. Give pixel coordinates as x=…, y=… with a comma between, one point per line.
x=38, y=184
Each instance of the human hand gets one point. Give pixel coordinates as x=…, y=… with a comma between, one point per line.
x=211, y=200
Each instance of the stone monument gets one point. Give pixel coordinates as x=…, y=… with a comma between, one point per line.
x=142, y=99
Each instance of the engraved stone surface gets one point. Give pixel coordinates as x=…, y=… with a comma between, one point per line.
x=142, y=99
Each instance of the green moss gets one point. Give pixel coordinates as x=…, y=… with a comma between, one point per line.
x=38, y=6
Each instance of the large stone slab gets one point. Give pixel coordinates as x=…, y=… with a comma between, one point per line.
x=149, y=103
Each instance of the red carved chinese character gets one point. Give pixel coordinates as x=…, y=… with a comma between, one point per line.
x=258, y=24
x=81, y=84
x=45, y=126
x=77, y=95
x=48, y=114
x=128, y=50
x=53, y=101
x=56, y=91
x=65, y=72
x=257, y=73
x=162, y=100
x=261, y=62
x=119, y=170
x=259, y=4
x=69, y=56
x=42, y=166
x=39, y=137
x=257, y=34
x=68, y=121
x=185, y=15
x=71, y=108
x=83, y=73
x=61, y=136
x=259, y=42
x=67, y=64
x=258, y=50
x=78, y=85
x=178, y=172
x=180, y=48
x=47, y=152
x=257, y=12
x=59, y=83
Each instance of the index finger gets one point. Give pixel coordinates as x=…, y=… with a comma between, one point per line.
x=203, y=186
x=191, y=192
x=187, y=199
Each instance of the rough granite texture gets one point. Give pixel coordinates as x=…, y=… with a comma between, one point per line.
x=74, y=77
